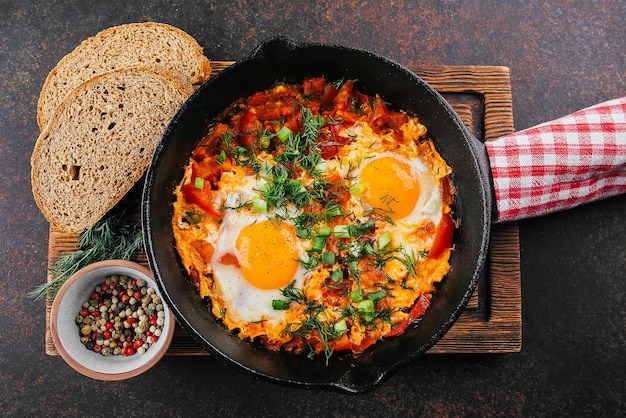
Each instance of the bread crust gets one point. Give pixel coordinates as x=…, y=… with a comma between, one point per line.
x=99, y=142
x=147, y=44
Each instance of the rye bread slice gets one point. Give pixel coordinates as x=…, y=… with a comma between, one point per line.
x=99, y=142
x=158, y=46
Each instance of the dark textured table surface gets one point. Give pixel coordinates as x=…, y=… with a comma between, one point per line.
x=563, y=56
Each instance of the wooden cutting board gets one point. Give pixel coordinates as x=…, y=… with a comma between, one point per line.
x=492, y=321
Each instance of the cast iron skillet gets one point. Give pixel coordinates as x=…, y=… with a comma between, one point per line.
x=281, y=59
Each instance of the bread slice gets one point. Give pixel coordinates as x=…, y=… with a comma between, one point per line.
x=161, y=47
x=99, y=142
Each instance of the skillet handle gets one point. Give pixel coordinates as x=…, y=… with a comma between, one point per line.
x=275, y=49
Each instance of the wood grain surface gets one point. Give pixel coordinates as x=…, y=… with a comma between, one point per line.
x=492, y=320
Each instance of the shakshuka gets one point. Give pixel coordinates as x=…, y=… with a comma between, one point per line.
x=313, y=218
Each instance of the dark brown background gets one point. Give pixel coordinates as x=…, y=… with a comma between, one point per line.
x=563, y=56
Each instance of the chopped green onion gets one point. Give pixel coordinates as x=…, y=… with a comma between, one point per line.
x=334, y=210
x=341, y=326
x=341, y=231
x=384, y=240
x=356, y=190
x=324, y=231
x=328, y=258
x=366, y=305
x=304, y=233
x=368, y=248
x=259, y=205
x=318, y=243
x=280, y=305
x=356, y=296
x=198, y=183
x=376, y=296
x=354, y=267
x=284, y=133
x=336, y=275
x=221, y=158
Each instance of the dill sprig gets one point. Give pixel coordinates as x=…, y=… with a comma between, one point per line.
x=312, y=324
x=113, y=237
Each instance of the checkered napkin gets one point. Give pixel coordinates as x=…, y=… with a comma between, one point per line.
x=560, y=164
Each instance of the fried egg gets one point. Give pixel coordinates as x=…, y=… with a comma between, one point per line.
x=255, y=256
x=395, y=182
x=402, y=188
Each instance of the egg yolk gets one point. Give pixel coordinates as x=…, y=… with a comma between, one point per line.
x=390, y=186
x=267, y=254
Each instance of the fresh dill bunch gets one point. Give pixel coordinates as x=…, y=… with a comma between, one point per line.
x=113, y=237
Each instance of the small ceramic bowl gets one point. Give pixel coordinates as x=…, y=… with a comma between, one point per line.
x=65, y=332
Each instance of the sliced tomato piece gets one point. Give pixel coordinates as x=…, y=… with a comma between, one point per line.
x=380, y=113
x=329, y=94
x=367, y=341
x=314, y=86
x=208, y=143
x=343, y=343
x=249, y=126
x=208, y=169
x=205, y=250
x=294, y=122
x=202, y=198
x=398, y=328
x=344, y=94
x=397, y=119
x=419, y=308
x=328, y=151
x=443, y=236
x=229, y=259
x=258, y=98
x=276, y=111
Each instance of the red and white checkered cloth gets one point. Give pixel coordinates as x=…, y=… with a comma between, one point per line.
x=560, y=164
